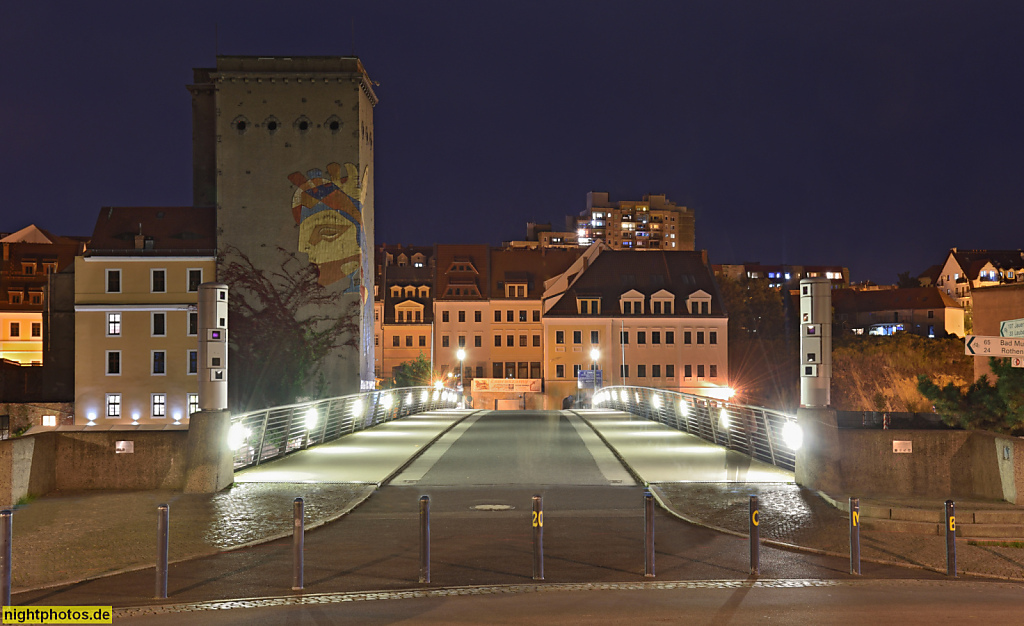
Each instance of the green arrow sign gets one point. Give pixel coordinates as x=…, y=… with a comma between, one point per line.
x=1011, y=328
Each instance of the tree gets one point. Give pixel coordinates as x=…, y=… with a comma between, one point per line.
x=414, y=373
x=763, y=365
x=283, y=324
x=983, y=405
x=905, y=281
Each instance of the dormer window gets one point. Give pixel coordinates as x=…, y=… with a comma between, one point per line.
x=410, y=292
x=409, y=311
x=28, y=269
x=424, y=291
x=515, y=290
x=396, y=292
x=588, y=306
x=699, y=303
x=419, y=260
x=663, y=303
x=631, y=303
x=402, y=260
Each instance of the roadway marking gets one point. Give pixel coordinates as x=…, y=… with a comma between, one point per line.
x=419, y=468
x=607, y=464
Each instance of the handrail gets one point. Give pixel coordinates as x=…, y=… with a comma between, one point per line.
x=260, y=436
x=764, y=434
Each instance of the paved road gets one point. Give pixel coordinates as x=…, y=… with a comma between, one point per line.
x=593, y=529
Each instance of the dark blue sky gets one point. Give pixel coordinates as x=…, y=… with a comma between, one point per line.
x=874, y=135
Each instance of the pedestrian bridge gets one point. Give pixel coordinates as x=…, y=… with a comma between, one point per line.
x=370, y=438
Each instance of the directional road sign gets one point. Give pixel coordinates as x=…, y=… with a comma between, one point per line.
x=586, y=377
x=1011, y=328
x=979, y=345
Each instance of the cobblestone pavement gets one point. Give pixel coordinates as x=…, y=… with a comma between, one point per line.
x=65, y=537
x=799, y=516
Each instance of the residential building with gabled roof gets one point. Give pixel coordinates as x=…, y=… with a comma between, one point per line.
x=924, y=311
x=967, y=269
x=656, y=320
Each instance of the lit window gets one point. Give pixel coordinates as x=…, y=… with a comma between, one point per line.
x=113, y=324
x=159, y=404
x=193, y=403
x=113, y=405
x=49, y=420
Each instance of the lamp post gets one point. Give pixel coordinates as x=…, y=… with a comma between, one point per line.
x=461, y=354
x=594, y=355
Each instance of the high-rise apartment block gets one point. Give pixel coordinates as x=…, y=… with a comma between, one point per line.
x=653, y=223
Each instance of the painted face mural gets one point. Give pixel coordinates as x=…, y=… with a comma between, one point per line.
x=328, y=211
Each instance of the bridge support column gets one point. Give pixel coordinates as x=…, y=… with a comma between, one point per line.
x=209, y=464
x=817, y=460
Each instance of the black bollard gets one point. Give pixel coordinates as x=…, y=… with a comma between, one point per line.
x=950, y=539
x=855, y=536
x=6, y=543
x=163, y=521
x=424, y=539
x=649, y=534
x=755, y=538
x=538, y=538
x=298, y=541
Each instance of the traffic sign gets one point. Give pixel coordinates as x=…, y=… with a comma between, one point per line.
x=1011, y=328
x=1017, y=361
x=980, y=345
x=586, y=377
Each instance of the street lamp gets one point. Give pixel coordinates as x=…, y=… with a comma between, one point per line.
x=461, y=354
x=594, y=355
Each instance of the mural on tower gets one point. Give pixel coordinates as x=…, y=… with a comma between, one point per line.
x=328, y=210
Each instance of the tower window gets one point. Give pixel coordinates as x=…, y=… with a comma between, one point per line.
x=271, y=126
x=240, y=126
x=335, y=125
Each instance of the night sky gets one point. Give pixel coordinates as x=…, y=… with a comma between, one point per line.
x=874, y=135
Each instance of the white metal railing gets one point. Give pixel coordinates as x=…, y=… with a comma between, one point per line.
x=764, y=434
x=267, y=434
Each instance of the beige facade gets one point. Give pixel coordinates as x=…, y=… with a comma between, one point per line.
x=136, y=345
x=285, y=144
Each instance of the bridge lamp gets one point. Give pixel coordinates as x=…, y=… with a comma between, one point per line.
x=387, y=401
x=636, y=397
x=438, y=385
x=357, y=407
x=723, y=420
x=424, y=396
x=311, y=418
x=237, y=436
x=656, y=401
x=436, y=394
x=683, y=409
x=408, y=399
x=792, y=435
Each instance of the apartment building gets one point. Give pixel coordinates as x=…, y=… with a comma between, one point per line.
x=404, y=311
x=965, y=270
x=653, y=320
x=462, y=311
x=136, y=324
x=652, y=223
x=785, y=276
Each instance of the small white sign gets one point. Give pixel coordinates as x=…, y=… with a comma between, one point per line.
x=1017, y=361
x=903, y=447
x=1011, y=328
x=124, y=447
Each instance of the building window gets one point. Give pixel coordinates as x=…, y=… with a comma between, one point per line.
x=408, y=341
x=193, y=403
x=536, y=341
x=477, y=341
x=497, y=316
x=158, y=281
x=113, y=362
x=560, y=336
x=931, y=314
x=479, y=371
x=656, y=305
x=670, y=371
x=497, y=370
x=535, y=369
x=423, y=341
x=193, y=361
x=705, y=308
x=687, y=371
x=396, y=341
x=159, y=324
x=444, y=341
x=14, y=297
x=35, y=298
x=655, y=371
x=159, y=362
x=577, y=336
x=655, y=336
x=477, y=316
x=687, y=337
x=462, y=341
x=159, y=405
x=641, y=371
x=623, y=336
x=624, y=371
x=37, y=329
x=536, y=315
x=195, y=278
x=445, y=316
x=713, y=370
x=700, y=337
x=670, y=337
x=113, y=405
x=641, y=337
x=509, y=316
x=114, y=282
x=113, y=324
x=522, y=341
x=15, y=329
x=510, y=369
x=376, y=340
x=559, y=371
x=193, y=324
x=576, y=371
x=594, y=335
x=462, y=316
x=510, y=340
x=700, y=371
x=712, y=337
x=497, y=341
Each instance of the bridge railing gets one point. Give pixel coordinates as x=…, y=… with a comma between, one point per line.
x=764, y=434
x=267, y=434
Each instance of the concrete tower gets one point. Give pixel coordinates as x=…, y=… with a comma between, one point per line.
x=283, y=147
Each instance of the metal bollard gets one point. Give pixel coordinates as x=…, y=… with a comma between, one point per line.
x=950, y=539
x=424, y=539
x=6, y=542
x=755, y=537
x=538, y=538
x=298, y=541
x=163, y=521
x=648, y=534
x=855, y=536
